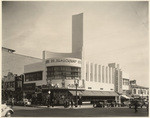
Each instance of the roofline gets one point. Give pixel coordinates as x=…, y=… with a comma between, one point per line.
x=27, y=56
x=8, y=49
x=21, y=54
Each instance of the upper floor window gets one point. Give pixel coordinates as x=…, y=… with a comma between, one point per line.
x=134, y=91
x=144, y=91
x=125, y=82
x=33, y=76
x=139, y=91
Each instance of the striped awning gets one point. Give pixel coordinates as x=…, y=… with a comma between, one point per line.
x=94, y=93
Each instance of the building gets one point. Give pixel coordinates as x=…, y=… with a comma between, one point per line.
x=58, y=72
x=14, y=63
x=125, y=95
x=137, y=91
x=65, y=75
x=12, y=86
x=12, y=68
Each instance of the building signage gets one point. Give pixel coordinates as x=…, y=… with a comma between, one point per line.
x=66, y=60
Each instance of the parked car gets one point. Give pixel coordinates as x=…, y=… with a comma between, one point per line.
x=98, y=104
x=6, y=111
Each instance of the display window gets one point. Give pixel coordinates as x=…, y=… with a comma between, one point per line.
x=59, y=72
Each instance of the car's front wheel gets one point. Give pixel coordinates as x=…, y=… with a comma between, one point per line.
x=8, y=114
x=94, y=105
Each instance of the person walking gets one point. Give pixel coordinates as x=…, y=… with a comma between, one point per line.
x=48, y=101
x=71, y=103
x=147, y=107
x=12, y=102
x=136, y=106
x=80, y=102
x=52, y=103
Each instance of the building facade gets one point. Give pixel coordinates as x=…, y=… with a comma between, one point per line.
x=58, y=71
x=12, y=68
x=55, y=74
x=137, y=91
x=12, y=86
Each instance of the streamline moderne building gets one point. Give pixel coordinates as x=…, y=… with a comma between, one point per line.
x=57, y=73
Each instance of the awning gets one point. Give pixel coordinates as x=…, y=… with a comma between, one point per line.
x=74, y=93
x=124, y=96
x=94, y=93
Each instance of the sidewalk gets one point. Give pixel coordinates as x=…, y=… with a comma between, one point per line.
x=82, y=107
x=62, y=107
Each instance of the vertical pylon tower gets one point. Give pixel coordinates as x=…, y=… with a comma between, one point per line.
x=77, y=33
x=77, y=40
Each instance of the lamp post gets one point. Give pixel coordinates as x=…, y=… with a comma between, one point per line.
x=49, y=92
x=76, y=82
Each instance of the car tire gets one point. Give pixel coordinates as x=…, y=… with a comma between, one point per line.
x=94, y=105
x=8, y=114
x=130, y=107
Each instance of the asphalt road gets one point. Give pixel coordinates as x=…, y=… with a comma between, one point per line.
x=77, y=112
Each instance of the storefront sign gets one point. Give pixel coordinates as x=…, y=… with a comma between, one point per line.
x=64, y=61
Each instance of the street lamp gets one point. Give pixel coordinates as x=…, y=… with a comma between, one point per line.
x=49, y=92
x=48, y=83
x=76, y=82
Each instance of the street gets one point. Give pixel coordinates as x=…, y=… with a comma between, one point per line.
x=20, y=111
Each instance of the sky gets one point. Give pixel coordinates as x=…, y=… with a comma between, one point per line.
x=113, y=31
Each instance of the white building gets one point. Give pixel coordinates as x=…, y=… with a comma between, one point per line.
x=58, y=71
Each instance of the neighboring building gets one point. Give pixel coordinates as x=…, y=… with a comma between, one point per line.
x=12, y=86
x=14, y=63
x=125, y=82
x=138, y=91
x=125, y=95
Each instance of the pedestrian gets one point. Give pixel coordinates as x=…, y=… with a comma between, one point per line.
x=136, y=106
x=52, y=103
x=148, y=107
x=48, y=101
x=12, y=102
x=71, y=103
x=80, y=102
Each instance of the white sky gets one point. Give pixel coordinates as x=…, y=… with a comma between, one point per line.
x=113, y=31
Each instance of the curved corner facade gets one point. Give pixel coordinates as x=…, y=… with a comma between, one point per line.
x=58, y=71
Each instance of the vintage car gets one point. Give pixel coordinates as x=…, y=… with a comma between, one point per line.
x=102, y=103
x=6, y=111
